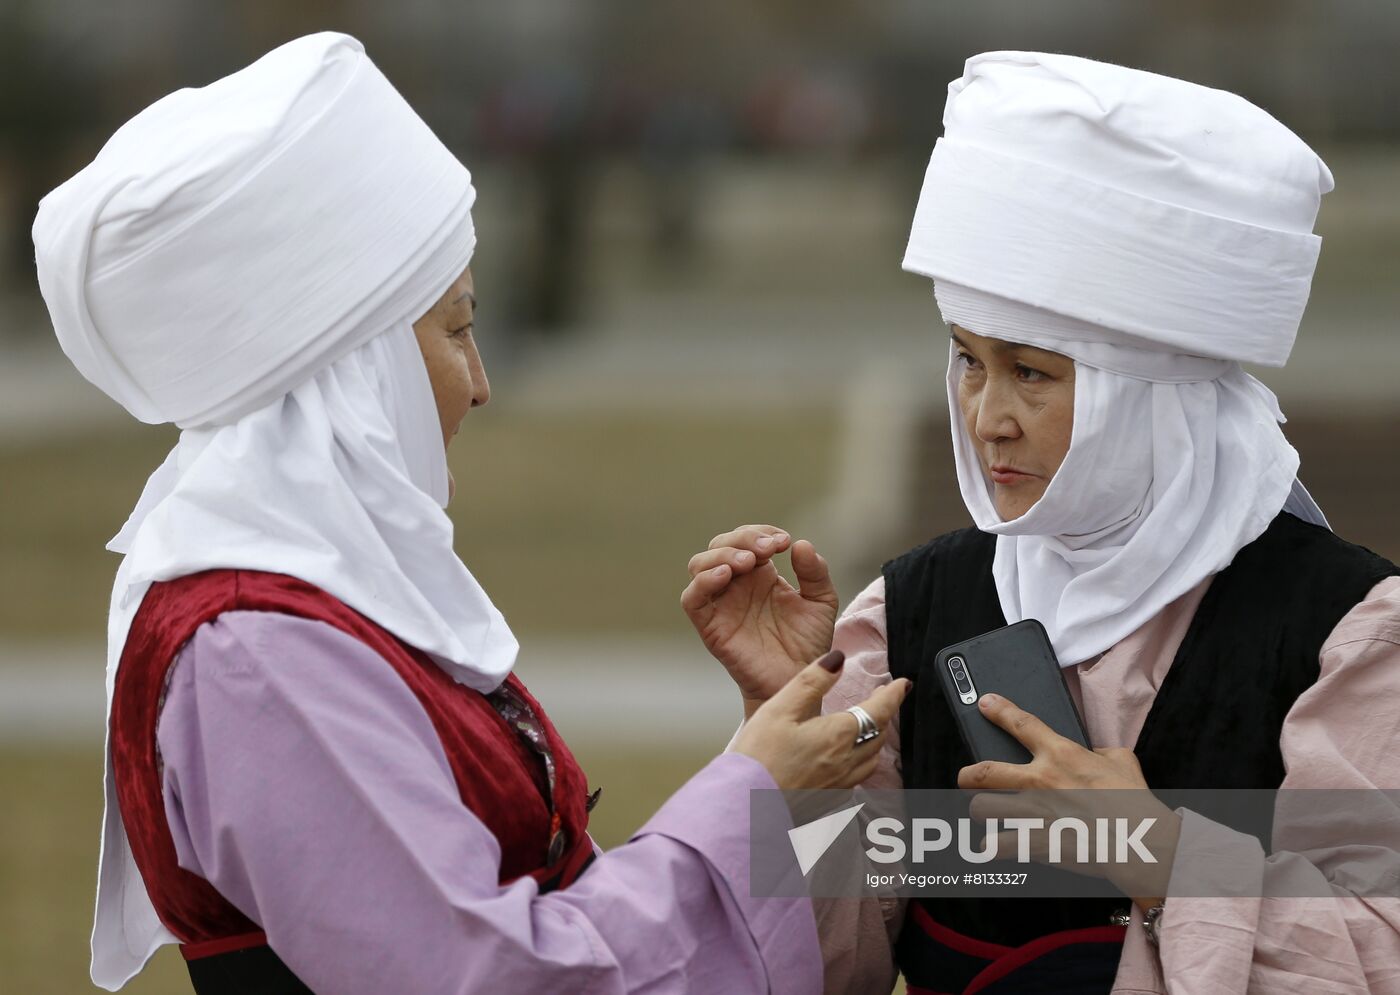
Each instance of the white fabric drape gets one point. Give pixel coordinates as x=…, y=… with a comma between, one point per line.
x=1168, y=475
x=1168, y=212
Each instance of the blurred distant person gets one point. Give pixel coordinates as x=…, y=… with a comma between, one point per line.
x=542, y=121
x=1107, y=247
x=323, y=775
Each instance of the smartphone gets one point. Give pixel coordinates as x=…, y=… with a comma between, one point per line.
x=1018, y=663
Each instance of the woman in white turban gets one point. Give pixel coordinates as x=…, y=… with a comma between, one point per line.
x=1107, y=246
x=322, y=774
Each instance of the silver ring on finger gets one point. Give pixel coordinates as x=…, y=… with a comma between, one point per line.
x=867, y=730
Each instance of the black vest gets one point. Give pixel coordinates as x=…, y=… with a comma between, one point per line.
x=1250, y=651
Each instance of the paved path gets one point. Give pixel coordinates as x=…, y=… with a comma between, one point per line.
x=624, y=692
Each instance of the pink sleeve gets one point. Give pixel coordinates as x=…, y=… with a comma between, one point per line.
x=1343, y=732
x=857, y=934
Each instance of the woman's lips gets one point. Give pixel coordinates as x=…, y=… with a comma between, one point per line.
x=1007, y=476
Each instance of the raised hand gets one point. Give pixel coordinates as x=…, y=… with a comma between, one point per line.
x=750, y=618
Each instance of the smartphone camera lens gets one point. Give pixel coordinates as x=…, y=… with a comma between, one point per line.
x=957, y=667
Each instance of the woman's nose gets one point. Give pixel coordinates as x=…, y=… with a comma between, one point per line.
x=995, y=420
x=481, y=386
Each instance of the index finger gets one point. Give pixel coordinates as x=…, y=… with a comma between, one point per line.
x=882, y=705
x=762, y=539
x=993, y=775
x=1029, y=731
x=801, y=697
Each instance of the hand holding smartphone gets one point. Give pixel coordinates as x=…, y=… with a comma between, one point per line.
x=1018, y=663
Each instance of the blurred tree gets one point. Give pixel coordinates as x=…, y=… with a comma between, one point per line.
x=45, y=97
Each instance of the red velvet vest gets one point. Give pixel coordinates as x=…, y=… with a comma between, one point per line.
x=497, y=774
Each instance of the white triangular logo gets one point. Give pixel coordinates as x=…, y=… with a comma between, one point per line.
x=809, y=842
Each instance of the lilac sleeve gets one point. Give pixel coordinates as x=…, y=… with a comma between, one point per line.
x=306, y=783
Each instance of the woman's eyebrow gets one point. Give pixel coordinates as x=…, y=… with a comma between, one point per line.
x=1002, y=347
x=997, y=345
x=466, y=296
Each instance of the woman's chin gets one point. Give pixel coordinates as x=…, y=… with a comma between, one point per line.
x=1009, y=513
x=1011, y=503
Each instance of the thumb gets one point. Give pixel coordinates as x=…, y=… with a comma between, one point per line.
x=812, y=573
x=801, y=697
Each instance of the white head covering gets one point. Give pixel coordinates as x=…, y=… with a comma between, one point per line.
x=1158, y=233
x=246, y=260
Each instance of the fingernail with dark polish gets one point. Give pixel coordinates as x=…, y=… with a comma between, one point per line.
x=833, y=661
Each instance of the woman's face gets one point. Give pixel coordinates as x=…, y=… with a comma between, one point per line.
x=1017, y=402
x=454, y=366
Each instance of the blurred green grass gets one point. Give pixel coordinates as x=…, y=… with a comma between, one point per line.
x=576, y=524
x=62, y=498
x=584, y=523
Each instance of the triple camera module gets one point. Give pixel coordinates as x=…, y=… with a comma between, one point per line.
x=957, y=666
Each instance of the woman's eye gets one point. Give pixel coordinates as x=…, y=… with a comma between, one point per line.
x=967, y=360
x=1029, y=373
x=459, y=333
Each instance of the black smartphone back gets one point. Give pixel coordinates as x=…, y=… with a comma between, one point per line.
x=1018, y=663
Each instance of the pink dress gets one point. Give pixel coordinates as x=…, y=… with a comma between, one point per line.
x=1343, y=732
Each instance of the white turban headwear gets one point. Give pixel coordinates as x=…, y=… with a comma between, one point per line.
x=1159, y=233
x=246, y=260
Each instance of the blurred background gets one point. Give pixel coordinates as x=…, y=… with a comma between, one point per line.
x=691, y=219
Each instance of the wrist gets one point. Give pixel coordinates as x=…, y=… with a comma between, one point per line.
x=1148, y=903
x=1152, y=921
x=751, y=705
x=1146, y=882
